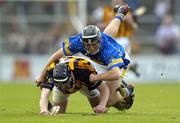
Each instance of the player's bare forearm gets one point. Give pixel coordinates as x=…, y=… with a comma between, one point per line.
x=113, y=27
x=43, y=103
x=104, y=91
x=104, y=95
x=111, y=75
x=56, y=56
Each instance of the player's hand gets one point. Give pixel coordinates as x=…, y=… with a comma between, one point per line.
x=92, y=77
x=39, y=80
x=44, y=113
x=100, y=109
x=121, y=10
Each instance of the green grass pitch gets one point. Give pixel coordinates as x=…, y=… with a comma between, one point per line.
x=154, y=103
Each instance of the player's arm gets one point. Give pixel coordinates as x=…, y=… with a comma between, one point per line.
x=56, y=56
x=46, y=88
x=111, y=75
x=43, y=103
x=113, y=27
x=104, y=95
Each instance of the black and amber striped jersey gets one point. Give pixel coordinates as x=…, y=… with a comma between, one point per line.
x=81, y=69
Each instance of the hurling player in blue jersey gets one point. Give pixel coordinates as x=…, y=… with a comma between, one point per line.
x=110, y=57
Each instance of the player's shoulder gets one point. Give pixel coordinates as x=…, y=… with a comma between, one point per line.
x=106, y=37
x=75, y=42
x=75, y=37
x=110, y=41
x=51, y=66
x=104, y=34
x=76, y=62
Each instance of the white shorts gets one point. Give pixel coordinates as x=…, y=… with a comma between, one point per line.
x=59, y=97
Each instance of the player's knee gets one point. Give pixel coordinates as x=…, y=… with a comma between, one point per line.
x=59, y=97
x=93, y=93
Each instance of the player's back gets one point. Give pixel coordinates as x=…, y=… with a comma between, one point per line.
x=81, y=69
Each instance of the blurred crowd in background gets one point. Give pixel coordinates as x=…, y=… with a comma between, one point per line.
x=40, y=27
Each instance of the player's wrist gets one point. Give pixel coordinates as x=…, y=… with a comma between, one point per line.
x=93, y=77
x=119, y=16
x=121, y=11
x=44, y=112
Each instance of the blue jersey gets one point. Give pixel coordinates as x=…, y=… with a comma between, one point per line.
x=110, y=53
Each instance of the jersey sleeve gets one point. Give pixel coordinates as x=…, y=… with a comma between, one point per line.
x=67, y=47
x=116, y=62
x=72, y=45
x=94, y=85
x=48, y=85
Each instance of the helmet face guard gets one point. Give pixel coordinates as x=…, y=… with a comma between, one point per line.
x=63, y=77
x=91, y=37
x=64, y=85
x=90, y=40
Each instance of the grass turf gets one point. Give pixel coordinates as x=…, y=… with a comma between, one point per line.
x=154, y=103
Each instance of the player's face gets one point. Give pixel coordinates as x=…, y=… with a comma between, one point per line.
x=92, y=48
x=66, y=85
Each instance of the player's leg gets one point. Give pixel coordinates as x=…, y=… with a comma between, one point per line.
x=121, y=94
x=127, y=102
x=114, y=96
x=113, y=85
x=60, y=99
